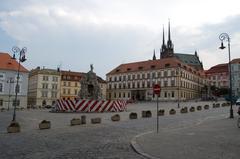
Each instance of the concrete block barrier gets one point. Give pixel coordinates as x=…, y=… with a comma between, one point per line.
x=206, y=106
x=44, y=125
x=133, y=116
x=75, y=121
x=96, y=120
x=184, y=110
x=192, y=109
x=172, y=112
x=161, y=112
x=115, y=117
x=199, y=108
x=14, y=127
x=146, y=114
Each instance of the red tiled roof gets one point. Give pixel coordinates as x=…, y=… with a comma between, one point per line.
x=218, y=69
x=7, y=63
x=150, y=65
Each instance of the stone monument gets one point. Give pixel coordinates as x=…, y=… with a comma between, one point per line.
x=90, y=88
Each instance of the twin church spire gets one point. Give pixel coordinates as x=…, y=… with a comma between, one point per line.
x=167, y=50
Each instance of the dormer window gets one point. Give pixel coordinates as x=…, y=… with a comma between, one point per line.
x=167, y=65
x=128, y=69
x=140, y=67
x=153, y=66
x=117, y=70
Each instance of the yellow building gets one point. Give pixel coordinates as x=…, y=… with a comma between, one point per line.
x=43, y=87
x=70, y=84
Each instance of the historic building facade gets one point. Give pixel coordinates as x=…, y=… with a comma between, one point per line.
x=43, y=87
x=134, y=81
x=181, y=76
x=8, y=80
x=70, y=84
x=235, y=64
x=218, y=76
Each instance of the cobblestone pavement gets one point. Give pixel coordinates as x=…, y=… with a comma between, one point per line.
x=108, y=140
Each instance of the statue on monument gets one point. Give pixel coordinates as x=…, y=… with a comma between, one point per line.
x=90, y=88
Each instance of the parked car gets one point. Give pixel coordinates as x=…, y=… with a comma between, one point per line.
x=238, y=102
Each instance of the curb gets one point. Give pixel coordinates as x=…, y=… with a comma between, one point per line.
x=137, y=148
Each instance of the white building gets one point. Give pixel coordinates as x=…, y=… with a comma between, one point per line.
x=8, y=80
x=235, y=64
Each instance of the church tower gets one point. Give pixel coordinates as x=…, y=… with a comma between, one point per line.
x=167, y=50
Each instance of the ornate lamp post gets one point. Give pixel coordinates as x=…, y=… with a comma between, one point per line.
x=225, y=37
x=10, y=81
x=21, y=58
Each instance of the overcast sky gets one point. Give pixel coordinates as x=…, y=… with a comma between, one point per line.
x=106, y=33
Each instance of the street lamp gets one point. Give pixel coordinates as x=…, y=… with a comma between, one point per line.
x=178, y=77
x=21, y=52
x=222, y=37
x=10, y=81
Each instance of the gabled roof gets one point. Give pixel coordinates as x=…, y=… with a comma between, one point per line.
x=7, y=63
x=150, y=65
x=220, y=68
x=188, y=59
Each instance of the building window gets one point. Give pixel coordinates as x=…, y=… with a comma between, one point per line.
x=129, y=77
x=172, y=94
x=143, y=76
x=64, y=91
x=69, y=91
x=1, y=87
x=123, y=94
x=138, y=76
x=54, y=94
x=165, y=73
x=165, y=83
x=124, y=85
x=120, y=86
x=1, y=102
x=115, y=79
x=148, y=75
x=129, y=85
x=148, y=84
x=120, y=78
x=44, y=94
x=76, y=91
x=153, y=75
x=128, y=95
x=45, y=78
x=110, y=86
x=172, y=83
x=143, y=84
x=115, y=95
x=76, y=84
x=133, y=77
x=165, y=94
x=119, y=95
x=64, y=83
x=124, y=78
x=2, y=76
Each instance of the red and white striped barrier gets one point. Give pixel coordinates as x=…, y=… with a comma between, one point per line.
x=91, y=105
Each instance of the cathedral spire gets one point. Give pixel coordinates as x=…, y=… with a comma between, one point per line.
x=154, y=56
x=163, y=37
x=169, y=32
